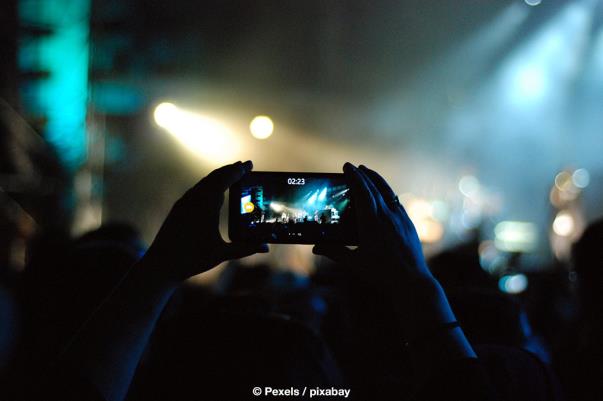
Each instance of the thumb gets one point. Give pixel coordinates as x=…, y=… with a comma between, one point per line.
x=240, y=250
x=337, y=253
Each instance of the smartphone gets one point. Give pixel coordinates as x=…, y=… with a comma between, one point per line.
x=292, y=208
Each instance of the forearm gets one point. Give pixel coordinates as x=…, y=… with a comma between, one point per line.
x=108, y=348
x=424, y=312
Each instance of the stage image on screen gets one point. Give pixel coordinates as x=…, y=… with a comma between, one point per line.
x=296, y=208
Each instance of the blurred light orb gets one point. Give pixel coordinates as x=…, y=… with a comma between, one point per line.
x=249, y=207
x=533, y=2
x=564, y=224
x=277, y=207
x=469, y=185
x=581, y=178
x=563, y=181
x=261, y=127
x=513, y=284
x=429, y=230
x=515, y=236
x=165, y=114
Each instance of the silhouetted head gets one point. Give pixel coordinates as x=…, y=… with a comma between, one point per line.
x=488, y=317
x=587, y=255
x=460, y=267
x=217, y=355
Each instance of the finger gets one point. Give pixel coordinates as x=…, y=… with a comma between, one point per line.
x=241, y=250
x=388, y=194
x=222, y=178
x=385, y=190
x=379, y=201
x=337, y=253
x=365, y=205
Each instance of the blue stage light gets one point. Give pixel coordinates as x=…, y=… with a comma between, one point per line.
x=323, y=194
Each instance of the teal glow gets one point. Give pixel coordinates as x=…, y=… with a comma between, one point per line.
x=115, y=98
x=62, y=97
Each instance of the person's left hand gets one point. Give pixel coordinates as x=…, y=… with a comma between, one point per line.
x=189, y=241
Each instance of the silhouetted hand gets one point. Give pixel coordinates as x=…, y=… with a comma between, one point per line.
x=389, y=250
x=389, y=254
x=189, y=241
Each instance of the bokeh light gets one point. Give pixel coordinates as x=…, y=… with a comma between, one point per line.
x=564, y=224
x=513, y=284
x=515, y=236
x=581, y=178
x=261, y=127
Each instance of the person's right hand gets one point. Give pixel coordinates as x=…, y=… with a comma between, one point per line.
x=389, y=254
x=388, y=242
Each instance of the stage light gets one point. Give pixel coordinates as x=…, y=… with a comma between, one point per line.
x=313, y=198
x=204, y=136
x=323, y=195
x=539, y=74
x=515, y=236
x=341, y=193
x=533, y=2
x=165, y=114
x=277, y=207
x=261, y=127
x=581, y=178
x=564, y=224
x=513, y=284
x=469, y=185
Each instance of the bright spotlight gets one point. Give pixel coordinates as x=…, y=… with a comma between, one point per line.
x=277, y=207
x=313, y=198
x=513, y=284
x=204, y=136
x=323, y=194
x=261, y=127
x=165, y=114
x=564, y=224
x=533, y=2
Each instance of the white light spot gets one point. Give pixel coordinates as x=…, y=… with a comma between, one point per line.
x=261, y=127
x=564, y=224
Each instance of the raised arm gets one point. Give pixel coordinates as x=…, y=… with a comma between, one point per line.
x=108, y=348
x=390, y=257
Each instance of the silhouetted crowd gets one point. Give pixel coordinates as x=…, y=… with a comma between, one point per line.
x=103, y=317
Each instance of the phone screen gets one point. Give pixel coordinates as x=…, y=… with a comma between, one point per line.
x=299, y=208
